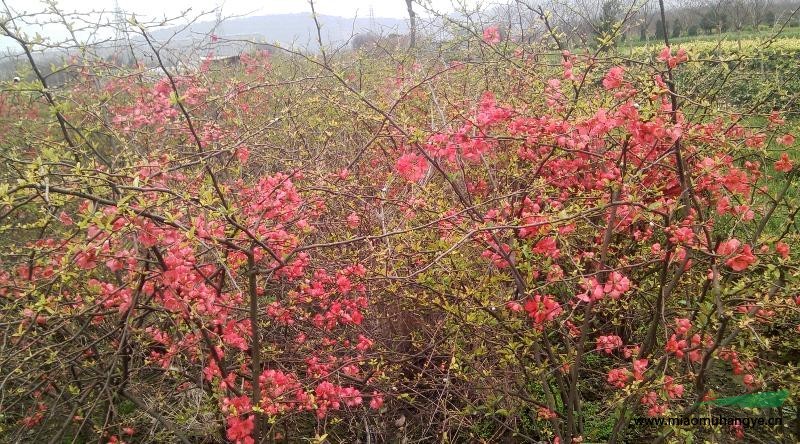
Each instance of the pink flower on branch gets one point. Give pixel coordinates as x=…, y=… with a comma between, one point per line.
x=491, y=35
x=542, y=309
x=613, y=78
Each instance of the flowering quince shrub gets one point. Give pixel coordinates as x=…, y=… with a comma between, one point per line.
x=609, y=250
x=238, y=255
x=194, y=282
x=182, y=274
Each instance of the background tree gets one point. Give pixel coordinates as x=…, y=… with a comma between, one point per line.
x=677, y=28
x=707, y=23
x=608, y=23
x=412, y=23
x=645, y=16
x=769, y=18
x=660, y=31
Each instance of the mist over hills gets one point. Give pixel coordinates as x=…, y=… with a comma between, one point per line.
x=297, y=29
x=235, y=35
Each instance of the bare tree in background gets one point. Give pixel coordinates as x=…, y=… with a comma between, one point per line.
x=412, y=23
x=714, y=15
x=646, y=14
x=739, y=14
x=758, y=10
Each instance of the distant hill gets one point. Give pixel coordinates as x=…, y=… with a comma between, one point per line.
x=288, y=29
x=192, y=43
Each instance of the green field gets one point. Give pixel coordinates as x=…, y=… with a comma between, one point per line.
x=730, y=36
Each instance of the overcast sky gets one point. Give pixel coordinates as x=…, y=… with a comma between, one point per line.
x=150, y=11
x=343, y=8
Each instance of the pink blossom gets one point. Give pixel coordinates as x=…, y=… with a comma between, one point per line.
x=682, y=325
x=497, y=259
x=491, y=35
x=353, y=221
x=676, y=346
x=65, y=218
x=364, y=343
x=514, y=306
x=782, y=249
x=639, y=366
x=673, y=61
x=786, y=140
x=618, y=377
x=594, y=291
x=742, y=260
x=784, y=165
x=542, y=309
x=242, y=153
x=376, y=402
x=616, y=285
x=651, y=398
x=547, y=246
x=675, y=391
x=608, y=343
x=239, y=430
x=412, y=167
x=613, y=78
x=343, y=284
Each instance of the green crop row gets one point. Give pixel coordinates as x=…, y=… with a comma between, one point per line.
x=756, y=73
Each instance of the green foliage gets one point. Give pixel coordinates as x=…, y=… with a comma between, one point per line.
x=598, y=423
x=744, y=74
